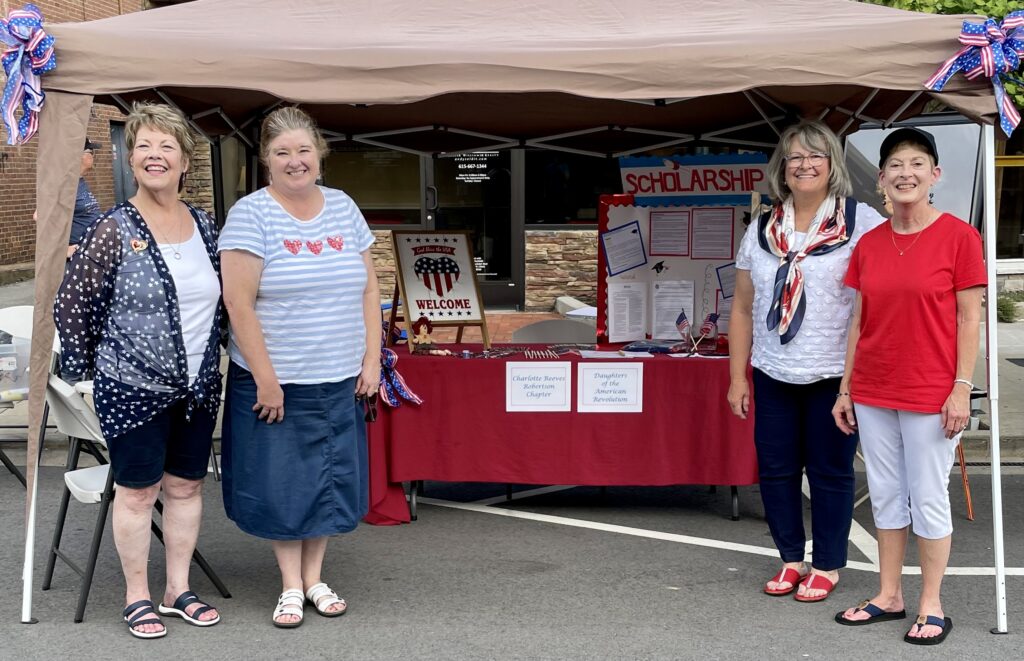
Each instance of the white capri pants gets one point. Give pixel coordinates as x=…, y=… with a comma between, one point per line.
x=908, y=459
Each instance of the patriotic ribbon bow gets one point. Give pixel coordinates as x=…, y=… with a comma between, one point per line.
x=28, y=55
x=393, y=388
x=991, y=49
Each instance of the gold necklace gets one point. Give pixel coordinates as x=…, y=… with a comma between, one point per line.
x=892, y=235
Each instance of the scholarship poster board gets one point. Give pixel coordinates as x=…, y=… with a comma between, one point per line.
x=437, y=277
x=667, y=248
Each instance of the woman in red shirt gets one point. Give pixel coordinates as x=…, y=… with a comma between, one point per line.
x=912, y=347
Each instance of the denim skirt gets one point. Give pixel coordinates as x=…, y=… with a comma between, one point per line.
x=297, y=479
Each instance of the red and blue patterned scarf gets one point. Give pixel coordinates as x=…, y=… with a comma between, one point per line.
x=831, y=229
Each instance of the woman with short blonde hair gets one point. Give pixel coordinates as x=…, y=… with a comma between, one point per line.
x=139, y=312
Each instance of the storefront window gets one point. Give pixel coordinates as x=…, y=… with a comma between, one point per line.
x=1010, y=184
x=384, y=183
x=563, y=188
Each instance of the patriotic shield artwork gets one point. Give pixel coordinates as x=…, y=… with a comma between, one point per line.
x=438, y=274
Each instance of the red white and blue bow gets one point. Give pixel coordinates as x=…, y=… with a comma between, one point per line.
x=28, y=55
x=393, y=388
x=989, y=48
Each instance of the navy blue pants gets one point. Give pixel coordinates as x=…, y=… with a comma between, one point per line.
x=794, y=431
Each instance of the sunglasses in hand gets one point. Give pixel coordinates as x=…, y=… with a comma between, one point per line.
x=370, y=404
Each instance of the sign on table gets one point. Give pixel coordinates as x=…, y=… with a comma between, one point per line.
x=538, y=386
x=610, y=388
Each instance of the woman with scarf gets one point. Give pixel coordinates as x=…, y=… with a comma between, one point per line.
x=789, y=320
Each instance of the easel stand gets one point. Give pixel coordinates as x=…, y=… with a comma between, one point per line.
x=430, y=264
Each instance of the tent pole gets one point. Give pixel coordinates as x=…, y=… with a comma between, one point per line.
x=992, y=334
x=30, y=543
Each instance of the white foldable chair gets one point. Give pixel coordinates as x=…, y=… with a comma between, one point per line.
x=555, y=331
x=74, y=417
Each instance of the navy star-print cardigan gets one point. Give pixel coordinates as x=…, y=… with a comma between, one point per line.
x=119, y=323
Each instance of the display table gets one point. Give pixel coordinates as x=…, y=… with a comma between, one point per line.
x=462, y=433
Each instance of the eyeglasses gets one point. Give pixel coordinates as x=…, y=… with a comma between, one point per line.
x=814, y=159
x=371, y=407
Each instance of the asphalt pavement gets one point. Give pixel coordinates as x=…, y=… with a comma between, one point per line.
x=555, y=573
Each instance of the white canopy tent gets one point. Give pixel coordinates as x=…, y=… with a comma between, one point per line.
x=604, y=77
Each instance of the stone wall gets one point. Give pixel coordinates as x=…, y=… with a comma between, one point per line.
x=560, y=263
x=384, y=261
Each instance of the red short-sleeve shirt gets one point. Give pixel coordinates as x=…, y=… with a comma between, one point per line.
x=906, y=353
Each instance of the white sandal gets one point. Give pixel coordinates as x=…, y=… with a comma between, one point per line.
x=322, y=597
x=289, y=603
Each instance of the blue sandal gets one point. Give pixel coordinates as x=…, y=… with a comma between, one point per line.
x=876, y=615
x=184, y=600
x=943, y=623
x=146, y=615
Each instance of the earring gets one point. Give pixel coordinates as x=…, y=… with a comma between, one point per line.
x=931, y=197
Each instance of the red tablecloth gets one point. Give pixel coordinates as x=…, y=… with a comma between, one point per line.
x=462, y=433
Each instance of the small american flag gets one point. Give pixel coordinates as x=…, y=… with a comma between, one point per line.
x=439, y=274
x=683, y=324
x=710, y=324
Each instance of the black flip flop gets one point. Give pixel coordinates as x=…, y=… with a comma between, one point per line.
x=876, y=615
x=945, y=624
x=184, y=600
x=146, y=615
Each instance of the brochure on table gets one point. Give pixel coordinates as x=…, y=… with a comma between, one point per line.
x=668, y=245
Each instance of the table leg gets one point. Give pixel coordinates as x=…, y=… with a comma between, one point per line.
x=735, y=502
x=414, y=488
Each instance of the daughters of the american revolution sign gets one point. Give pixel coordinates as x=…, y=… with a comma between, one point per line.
x=437, y=277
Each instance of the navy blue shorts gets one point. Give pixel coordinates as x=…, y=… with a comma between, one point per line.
x=168, y=443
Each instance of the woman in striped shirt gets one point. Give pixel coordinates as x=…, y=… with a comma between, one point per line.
x=304, y=304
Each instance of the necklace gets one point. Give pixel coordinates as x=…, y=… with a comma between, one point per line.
x=175, y=247
x=892, y=235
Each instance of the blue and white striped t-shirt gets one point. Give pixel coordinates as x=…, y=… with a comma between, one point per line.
x=310, y=298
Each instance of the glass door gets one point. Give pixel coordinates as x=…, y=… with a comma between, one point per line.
x=474, y=192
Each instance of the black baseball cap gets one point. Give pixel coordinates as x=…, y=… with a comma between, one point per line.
x=911, y=135
x=90, y=145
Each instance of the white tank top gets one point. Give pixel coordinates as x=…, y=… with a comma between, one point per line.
x=198, y=295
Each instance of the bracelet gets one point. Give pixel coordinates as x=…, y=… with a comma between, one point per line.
x=842, y=394
x=965, y=382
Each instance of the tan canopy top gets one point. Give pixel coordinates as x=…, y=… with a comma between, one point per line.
x=518, y=70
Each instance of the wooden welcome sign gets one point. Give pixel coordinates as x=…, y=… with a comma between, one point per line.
x=435, y=279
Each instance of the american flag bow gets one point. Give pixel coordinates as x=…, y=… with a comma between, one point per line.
x=27, y=56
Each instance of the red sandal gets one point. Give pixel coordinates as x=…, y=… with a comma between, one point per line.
x=786, y=575
x=815, y=582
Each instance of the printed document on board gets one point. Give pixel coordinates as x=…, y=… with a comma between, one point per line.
x=627, y=311
x=671, y=301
